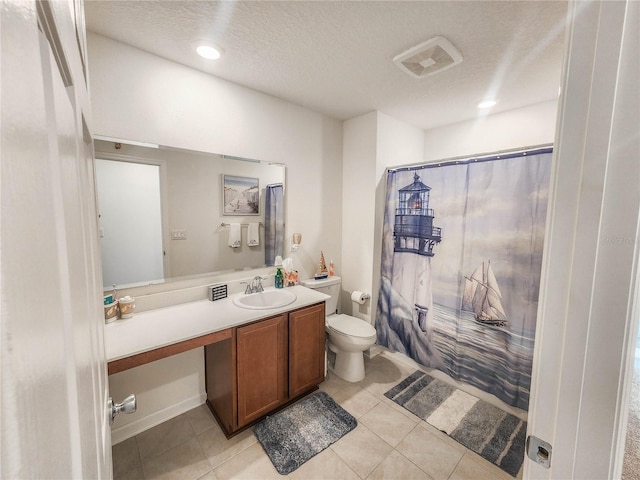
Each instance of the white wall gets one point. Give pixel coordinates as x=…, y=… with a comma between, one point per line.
x=528, y=126
x=358, y=198
x=138, y=96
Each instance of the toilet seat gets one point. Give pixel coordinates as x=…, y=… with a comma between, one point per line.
x=350, y=326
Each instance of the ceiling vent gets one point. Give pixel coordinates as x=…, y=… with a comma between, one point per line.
x=430, y=57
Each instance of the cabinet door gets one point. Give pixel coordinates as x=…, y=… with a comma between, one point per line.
x=262, y=368
x=306, y=349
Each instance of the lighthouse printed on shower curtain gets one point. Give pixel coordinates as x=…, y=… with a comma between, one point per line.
x=414, y=237
x=460, y=272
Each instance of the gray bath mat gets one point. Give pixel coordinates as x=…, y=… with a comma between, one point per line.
x=297, y=433
x=490, y=432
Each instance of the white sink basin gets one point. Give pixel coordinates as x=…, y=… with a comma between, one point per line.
x=264, y=300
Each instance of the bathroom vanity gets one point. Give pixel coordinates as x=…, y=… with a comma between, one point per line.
x=265, y=365
x=256, y=360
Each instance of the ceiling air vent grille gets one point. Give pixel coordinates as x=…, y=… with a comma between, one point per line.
x=429, y=57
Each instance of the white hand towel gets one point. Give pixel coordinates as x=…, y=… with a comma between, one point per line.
x=235, y=235
x=253, y=235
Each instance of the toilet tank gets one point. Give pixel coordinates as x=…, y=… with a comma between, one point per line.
x=329, y=286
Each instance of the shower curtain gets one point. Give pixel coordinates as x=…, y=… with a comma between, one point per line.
x=461, y=259
x=273, y=223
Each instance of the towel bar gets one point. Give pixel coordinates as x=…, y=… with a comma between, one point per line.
x=242, y=224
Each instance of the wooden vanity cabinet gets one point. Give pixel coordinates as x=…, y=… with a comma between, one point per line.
x=261, y=356
x=306, y=349
x=265, y=365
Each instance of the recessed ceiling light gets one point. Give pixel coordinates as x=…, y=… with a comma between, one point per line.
x=208, y=52
x=487, y=104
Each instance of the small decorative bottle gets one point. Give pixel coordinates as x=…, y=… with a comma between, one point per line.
x=331, y=268
x=279, y=280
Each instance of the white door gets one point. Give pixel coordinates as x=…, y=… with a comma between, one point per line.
x=54, y=382
x=589, y=294
x=130, y=222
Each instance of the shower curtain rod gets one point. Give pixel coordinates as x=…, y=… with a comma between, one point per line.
x=473, y=158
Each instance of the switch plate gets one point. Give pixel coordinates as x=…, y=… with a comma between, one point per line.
x=539, y=451
x=178, y=234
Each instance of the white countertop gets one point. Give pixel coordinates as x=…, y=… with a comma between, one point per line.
x=165, y=326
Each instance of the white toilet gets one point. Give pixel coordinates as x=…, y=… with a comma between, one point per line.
x=349, y=337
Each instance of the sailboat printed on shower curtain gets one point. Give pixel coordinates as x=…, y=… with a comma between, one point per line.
x=482, y=297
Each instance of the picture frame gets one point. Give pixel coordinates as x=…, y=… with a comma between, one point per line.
x=240, y=195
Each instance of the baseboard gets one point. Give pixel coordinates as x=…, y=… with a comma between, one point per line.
x=132, y=429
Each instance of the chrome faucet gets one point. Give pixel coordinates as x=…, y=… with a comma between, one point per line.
x=256, y=285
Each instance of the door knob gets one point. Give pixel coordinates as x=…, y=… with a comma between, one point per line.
x=128, y=405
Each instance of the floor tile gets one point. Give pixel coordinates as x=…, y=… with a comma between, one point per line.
x=193, y=447
x=325, y=465
x=126, y=457
x=397, y=466
x=184, y=462
x=332, y=383
x=401, y=409
x=470, y=469
x=362, y=450
x=433, y=455
x=218, y=449
x=252, y=463
x=355, y=400
x=209, y=476
x=382, y=373
x=388, y=423
x=201, y=418
x=161, y=438
x=495, y=471
x=135, y=474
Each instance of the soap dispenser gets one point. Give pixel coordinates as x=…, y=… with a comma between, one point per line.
x=279, y=280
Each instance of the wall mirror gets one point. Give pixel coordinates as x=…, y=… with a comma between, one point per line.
x=167, y=213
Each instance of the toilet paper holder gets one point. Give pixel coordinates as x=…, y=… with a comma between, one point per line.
x=359, y=297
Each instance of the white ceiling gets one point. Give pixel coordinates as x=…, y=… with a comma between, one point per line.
x=336, y=57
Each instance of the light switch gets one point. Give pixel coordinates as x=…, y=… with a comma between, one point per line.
x=178, y=234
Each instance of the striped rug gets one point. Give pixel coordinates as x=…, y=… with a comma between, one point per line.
x=490, y=432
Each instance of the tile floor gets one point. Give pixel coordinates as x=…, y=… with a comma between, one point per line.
x=388, y=443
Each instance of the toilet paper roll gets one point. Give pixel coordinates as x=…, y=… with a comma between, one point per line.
x=359, y=297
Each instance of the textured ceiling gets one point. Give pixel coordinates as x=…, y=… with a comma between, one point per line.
x=336, y=57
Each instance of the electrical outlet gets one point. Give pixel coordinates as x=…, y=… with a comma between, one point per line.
x=178, y=234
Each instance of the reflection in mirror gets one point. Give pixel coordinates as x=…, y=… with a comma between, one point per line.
x=163, y=214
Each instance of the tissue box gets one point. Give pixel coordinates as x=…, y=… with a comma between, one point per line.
x=291, y=278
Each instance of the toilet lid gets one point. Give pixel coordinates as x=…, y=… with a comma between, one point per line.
x=348, y=325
